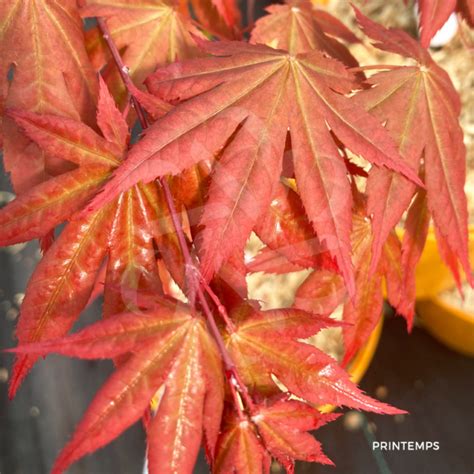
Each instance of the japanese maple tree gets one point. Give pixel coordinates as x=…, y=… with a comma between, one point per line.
x=271, y=129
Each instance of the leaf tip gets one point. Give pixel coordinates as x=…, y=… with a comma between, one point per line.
x=21, y=368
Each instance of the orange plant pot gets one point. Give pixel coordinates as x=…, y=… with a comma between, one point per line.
x=432, y=275
x=449, y=324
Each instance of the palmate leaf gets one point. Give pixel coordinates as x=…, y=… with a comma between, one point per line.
x=421, y=108
x=266, y=344
x=67, y=86
x=297, y=27
x=282, y=427
x=239, y=449
x=251, y=87
x=123, y=231
x=171, y=354
x=151, y=33
x=170, y=349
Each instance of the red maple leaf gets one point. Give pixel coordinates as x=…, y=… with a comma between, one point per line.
x=298, y=27
x=123, y=232
x=266, y=344
x=422, y=109
x=32, y=81
x=280, y=430
x=172, y=356
x=168, y=31
x=259, y=84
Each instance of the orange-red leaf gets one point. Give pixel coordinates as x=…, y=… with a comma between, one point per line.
x=334, y=27
x=248, y=85
x=132, y=263
x=165, y=236
x=124, y=231
x=124, y=398
x=150, y=33
x=433, y=15
x=169, y=349
x=321, y=293
x=271, y=261
x=414, y=238
x=125, y=332
x=242, y=184
x=30, y=32
x=152, y=104
x=284, y=425
x=37, y=211
x=219, y=17
x=109, y=119
x=68, y=139
x=60, y=286
x=229, y=11
x=264, y=345
x=286, y=229
x=397, y=99
x=363, y=313
x=297, y=28
x=434, y=106
x=192, y=401
x=240, y=450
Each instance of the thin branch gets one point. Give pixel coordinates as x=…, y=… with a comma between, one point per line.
x=220, y=307
x=122, y=69
x=237, y=401
x=191, y=275
x=192, y=272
